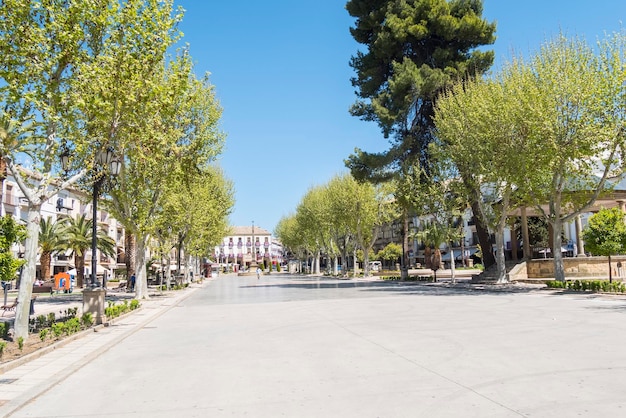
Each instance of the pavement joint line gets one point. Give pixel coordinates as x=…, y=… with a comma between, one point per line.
x=31, y=392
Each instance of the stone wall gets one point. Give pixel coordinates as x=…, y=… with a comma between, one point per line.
x=578, y=267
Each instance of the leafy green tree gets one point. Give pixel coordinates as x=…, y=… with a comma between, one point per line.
x=193, y=214
x=414, y=51
x=10, y=233
x=210, y=202
x=573, y=113
x=50, y=241
x=374, y=209
x=478, y=118
x=42, y=46
x=77, y=236
x=289, y=234
x=161, y=119
x=391, y=252
x=314, y=223
x=605, y=234
x=546, y=133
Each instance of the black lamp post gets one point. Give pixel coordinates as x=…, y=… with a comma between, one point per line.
x=105, y=160
x=398, y=227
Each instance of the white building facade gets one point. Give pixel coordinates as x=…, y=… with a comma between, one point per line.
x=69, y=203
x=245, y=244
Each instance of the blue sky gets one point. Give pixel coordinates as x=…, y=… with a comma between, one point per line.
x=280, y=70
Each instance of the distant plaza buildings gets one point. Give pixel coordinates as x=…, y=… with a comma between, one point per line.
x=247, y=243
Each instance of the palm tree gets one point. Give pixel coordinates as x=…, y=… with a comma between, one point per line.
x=433, y=234
x=78, y=233
x=50, y=241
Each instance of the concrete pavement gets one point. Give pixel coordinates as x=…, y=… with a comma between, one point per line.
x=26, y=378
x=308, y=347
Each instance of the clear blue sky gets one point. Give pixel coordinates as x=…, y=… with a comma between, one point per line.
x=280, y=70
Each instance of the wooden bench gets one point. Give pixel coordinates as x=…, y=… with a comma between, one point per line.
x=121, y=287
x=44, y=288
x=9, y=307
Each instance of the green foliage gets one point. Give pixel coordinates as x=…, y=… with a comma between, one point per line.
x=414, y=49
x=605, y=233
x=58, y=328
x=4, y=330
x=43, y=334
x=3, y=345
x=50, y=240
x=588, y=285
x=72, y=326
x=10, y=233
x=539, y=127
x=87, y=319
x=114, y=310
x=77, y=236
x=391, y=252
x=20, y=343
x=41, y=321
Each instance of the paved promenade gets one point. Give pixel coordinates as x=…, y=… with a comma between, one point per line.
x=310, y=347
x=25, y=379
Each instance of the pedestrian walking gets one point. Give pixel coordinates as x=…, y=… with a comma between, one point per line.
x=132, y=282
x=258, y=273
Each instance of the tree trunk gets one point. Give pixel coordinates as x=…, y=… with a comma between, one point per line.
x=500, y=259
x=44, y=260
x=452, y=266
x=482, y=232
x=22, y=311
x=436, y=261
x=168, y=270
x=428, y=258
x=80, y=270
x=141, y=282
x=318, y=255
x=559, y=270
x=130, y=248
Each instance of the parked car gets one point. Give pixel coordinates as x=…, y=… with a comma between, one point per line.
x=375, y=266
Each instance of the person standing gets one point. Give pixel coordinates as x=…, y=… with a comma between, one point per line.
x=132, y=282
x=258, y=273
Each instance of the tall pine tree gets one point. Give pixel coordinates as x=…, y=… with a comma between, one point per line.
x=414, y=50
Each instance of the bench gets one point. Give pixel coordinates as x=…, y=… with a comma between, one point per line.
x=44, y=288
x=121, y=287
x=9, y=307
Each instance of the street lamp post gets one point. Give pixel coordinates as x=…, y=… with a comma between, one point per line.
x=399, y=227
x=106, y=160
x=93, y=298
